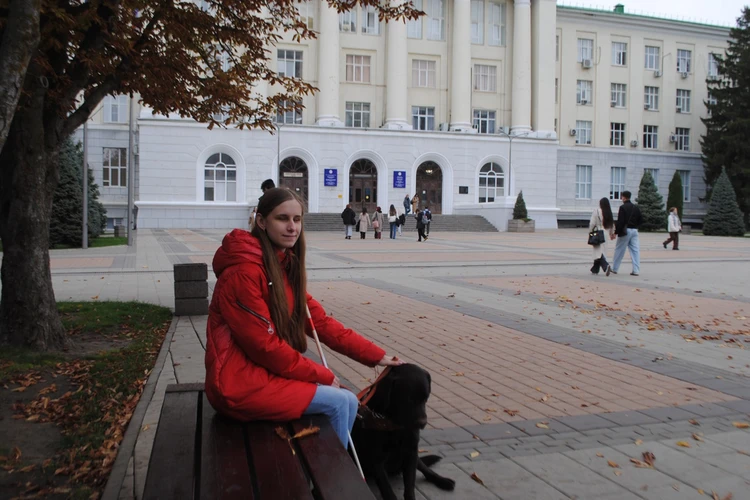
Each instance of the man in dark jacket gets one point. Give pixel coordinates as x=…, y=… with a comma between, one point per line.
x=350, y=219
x=629, y=219
x=407, y=204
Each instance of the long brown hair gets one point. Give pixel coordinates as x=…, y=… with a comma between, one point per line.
x=607, y=219
x=290, y=327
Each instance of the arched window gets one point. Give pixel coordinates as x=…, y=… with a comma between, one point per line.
x=220, y=178
x=491, y=182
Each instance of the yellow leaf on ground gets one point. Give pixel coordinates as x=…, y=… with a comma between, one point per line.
x=542, y=425
x=684, y=444
x=600, y=455
x=618, y=473
x=638, y=442
x=697, y=437
x=476, y=478
x=612, y=464
x=741, y=425
x=474, y=454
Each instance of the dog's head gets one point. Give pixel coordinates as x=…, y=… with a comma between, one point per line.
x=402, y=396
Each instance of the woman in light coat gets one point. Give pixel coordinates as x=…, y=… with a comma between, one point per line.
x=674, y=226
x=415, y=204
x=378, y=217
x=364, y=223
x=601, y=218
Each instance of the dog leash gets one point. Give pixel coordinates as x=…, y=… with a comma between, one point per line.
x=323, y=359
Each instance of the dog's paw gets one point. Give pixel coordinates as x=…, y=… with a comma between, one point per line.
x=445, y=483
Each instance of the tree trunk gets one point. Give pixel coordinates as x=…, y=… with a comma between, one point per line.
x=28, y=312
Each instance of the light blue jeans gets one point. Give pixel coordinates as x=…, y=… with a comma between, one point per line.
x=631, y=242
x=339, y=405
x=348, y=230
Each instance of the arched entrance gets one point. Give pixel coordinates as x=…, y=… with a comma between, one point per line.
x=293, y=175
x=430, y=186
x=363, y=185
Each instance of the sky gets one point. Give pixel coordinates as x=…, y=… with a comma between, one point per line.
x=721, y=12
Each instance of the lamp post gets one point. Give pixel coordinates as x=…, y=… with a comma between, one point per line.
x=510, y=151
x=278, y=149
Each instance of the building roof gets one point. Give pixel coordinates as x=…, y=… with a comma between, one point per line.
x=619, y=10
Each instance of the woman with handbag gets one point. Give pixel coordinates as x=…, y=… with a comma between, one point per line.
x=393, y=221
x=377, y=223
x=363, y=223
x=601, y=222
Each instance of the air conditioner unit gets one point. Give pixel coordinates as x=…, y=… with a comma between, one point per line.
x=612, y=104
x=584, y=101
x=647, y=106
x=586, y=63
x=672, y=138
x=657, y=74
x=633, y=144
x=679, y=109
x=684, y=74
x=573, y=132
x=444, y=127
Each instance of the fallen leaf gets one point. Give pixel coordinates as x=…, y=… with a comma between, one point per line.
x=684, y=444
x=28, y=468
x=649, y=458
x=639, y=464
x=542, y=425
x=697, y=437
x=728, y=496
x=474, y=454
x=618, y=473
x=676, y=487
x=458, y=374
x=145, y=428
x=476, y=478
x=700, y=491
x=613, y=464
x=307, y=431
x=600, y=455
x=423, y=451
x=638, y=442
x=742, y=452
x=741, y=425
x=512, y=413
x=694, y=421
x=366, y=303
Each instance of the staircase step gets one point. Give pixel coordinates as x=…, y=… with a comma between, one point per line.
x=442, y=223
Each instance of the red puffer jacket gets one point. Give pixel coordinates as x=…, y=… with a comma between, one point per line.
x=251, y=373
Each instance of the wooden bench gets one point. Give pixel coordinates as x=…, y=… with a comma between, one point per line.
x=199, y=454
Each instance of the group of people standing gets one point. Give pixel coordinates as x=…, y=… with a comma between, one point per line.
x=362, y=222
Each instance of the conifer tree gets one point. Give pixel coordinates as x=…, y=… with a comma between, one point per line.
x=519, y=210
x=725, y=142
x=651, y=204
x=675, y=197
x=724, y=217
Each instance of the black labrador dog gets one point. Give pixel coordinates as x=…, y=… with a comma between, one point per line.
x=386, y=450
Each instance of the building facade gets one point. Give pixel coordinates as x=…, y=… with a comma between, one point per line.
x=467, y=106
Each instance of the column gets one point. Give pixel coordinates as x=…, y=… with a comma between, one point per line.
x=396, y=76
x=544, y=24
x=328, y=68
x=460, y=119
x=521, y=86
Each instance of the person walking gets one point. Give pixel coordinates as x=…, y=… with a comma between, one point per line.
x=674, y=226
x=363, y=223
x=377, y=223
x=349, y=218
x=427, y=217
x=257, y=327
x=420, y=226
x=401, y=222
x=415, y=204
x=629, y=219
x=601, y=218
x=407, y=205
x=393, y=221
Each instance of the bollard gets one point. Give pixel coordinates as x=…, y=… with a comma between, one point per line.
x=190, y=289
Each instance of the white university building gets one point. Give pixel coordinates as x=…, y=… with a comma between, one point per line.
x=591, y=99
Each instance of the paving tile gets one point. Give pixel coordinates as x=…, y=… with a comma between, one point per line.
x=567, y=475
x=585, y=422
x=737, y=440
x=452, y=435
x=737, y=486
x=530, y=427
x=683, y=492
x=510, y=482
x=698, y=449
x=467, y=487
x=707, y=409
x=733, y=462
x=668, y=414
x=740, y=405
x=494, y=431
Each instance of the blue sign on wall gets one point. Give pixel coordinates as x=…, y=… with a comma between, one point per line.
x=399, y=179
x=331, y=177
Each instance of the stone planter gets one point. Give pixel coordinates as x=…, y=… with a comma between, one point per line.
x=520, y=226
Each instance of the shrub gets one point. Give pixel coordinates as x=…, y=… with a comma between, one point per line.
x=519, y=211
x=651, y=204
x=724, y=217
x=675, y=197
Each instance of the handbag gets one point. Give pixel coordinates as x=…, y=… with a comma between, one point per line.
x=376, y=224
x=596, y=237
x=357, y=226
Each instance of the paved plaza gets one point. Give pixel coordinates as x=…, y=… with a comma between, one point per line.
x=547, y=380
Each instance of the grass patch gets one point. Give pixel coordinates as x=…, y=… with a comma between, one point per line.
x=100, y=242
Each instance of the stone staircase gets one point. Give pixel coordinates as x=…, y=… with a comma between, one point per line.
x=440, y=223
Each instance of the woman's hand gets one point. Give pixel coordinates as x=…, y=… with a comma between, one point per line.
x=390, y=361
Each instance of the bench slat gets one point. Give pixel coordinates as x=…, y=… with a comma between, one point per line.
x=174, y=449
x=333, y=472
x=225, y=473
x=278, y=473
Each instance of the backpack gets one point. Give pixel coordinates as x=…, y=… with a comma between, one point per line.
x=427, y=217
x=401, y=220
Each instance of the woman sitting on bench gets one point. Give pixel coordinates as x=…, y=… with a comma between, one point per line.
x=257, y=327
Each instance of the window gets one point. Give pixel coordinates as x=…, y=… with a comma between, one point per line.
x=557, y=48
x=115, y=171
x=653, y=58
x=619, y=53
x=422, y=73
x=477, y=21
x=685, y=177
x=414, y=26
x=288, y=116
x=684, y=58
x=348, y=21
x=683, y=101
x=619, y=91
x=491, y=183
x=616, y=134
x=290, y=63
x=616, y=183
x=583, y=132
x=654, y=174
x=305, y=9
x=357, y=68
x=358, y=114
x=650, y=137
x=370, y=21
x=557, y=89
x=484, y=121
x=651, y=98
x=435, y=20
x=583, y=182
x=496, y=23
x=116, y=109
x=583, y=91
x=423, y=118
x=710, y=101
x=683, y=139
x=585, y=49
x=485, y=78
x=220, y=178
x=713, y=65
